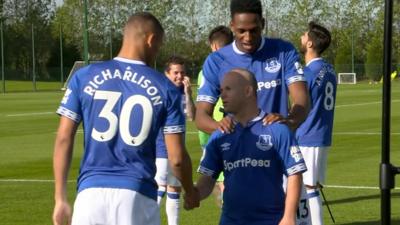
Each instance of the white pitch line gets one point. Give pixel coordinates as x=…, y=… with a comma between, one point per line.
x=30, y=181
x=355, y=187
x=361, y=104
x=361, y=133
x=73, y=181
x=335, y=133
x=30, y=114
x=338, y=106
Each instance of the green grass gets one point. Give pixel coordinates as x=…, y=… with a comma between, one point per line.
x=19, y=86
x=26, y=146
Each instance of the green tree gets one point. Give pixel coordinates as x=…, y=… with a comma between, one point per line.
x=23, y=18
x=373, y=63
x=342, y=60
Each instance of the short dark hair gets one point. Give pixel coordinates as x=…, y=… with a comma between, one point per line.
x=246, y=6
x=221, y=35
x=148, y=20
x=320, y=36
x=174, y=60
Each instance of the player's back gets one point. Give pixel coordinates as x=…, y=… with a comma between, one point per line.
x=123, y=104
x=316, y=130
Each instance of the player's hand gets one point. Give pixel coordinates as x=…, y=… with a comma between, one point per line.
x=287, y=221
x=274, y=117
x=226, y=125
x=62, y=213
x=192, y=199
x=187, y=85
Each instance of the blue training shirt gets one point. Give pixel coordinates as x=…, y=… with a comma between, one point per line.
x=122, y=104
x=254, y=159
x=275, y=65
x=316, y=130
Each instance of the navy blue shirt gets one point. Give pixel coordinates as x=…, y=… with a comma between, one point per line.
x=254, y=159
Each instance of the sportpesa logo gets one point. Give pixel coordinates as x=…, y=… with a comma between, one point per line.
x=246, y=162
x=269, y=84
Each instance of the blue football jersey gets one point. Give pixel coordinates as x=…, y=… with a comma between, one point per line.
x=122, y=105
x=316, y=130
x=161, y=148
x=275, y=65
x=254, y=159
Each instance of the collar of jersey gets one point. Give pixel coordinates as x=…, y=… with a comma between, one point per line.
x=313, y=60
x=236, y=50
x=259, y=117
x=129, y=61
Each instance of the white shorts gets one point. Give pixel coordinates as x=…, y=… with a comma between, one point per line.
x=164, y=174
x=111, y=206
x=303, y=216
x=316, y=160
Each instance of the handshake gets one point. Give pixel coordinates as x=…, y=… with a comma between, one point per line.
x=192, y=198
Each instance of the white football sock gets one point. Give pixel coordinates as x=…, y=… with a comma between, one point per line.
x=172, y=206
x=314, y=200
x=160, y=194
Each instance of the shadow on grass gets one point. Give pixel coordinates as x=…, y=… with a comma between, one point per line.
x=370, y=223
x=359, y=198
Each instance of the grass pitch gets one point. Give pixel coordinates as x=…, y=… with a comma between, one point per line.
x=28, y=125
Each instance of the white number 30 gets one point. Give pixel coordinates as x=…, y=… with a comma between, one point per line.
x=112, y=98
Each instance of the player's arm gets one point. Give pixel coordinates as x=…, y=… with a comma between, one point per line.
x=203, y=119
x=300, y=106
x=63, y=149
x=205, y=185
x=190, y=106
x=208, y=94
x=206, y=123
x=292, y=199
x=181, y=167
x=298, y=110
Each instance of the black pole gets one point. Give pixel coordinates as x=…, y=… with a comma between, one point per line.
x=111, y=43
x=85, y=33
x=33, y=59
x=61, y=58
x=3, y=79
x=386, y=169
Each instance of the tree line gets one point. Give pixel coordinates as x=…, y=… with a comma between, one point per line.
x=36, y=32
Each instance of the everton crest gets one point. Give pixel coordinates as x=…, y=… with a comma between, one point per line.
x=272, y=65
x=264, y=142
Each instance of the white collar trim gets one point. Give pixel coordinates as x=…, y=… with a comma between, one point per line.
x=313, y=60
x=260, y=116
x=129, y=61
x=235, y=48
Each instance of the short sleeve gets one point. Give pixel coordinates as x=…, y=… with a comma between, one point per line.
x=288, y=149
x=293, y=69
x=70, y=106
x=175, y=119
x=211, y=162
x=209, y=89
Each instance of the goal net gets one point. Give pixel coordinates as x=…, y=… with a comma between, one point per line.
x=77, y=65
x=347, y=78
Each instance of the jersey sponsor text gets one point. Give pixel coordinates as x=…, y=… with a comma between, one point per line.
x=246, y=162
